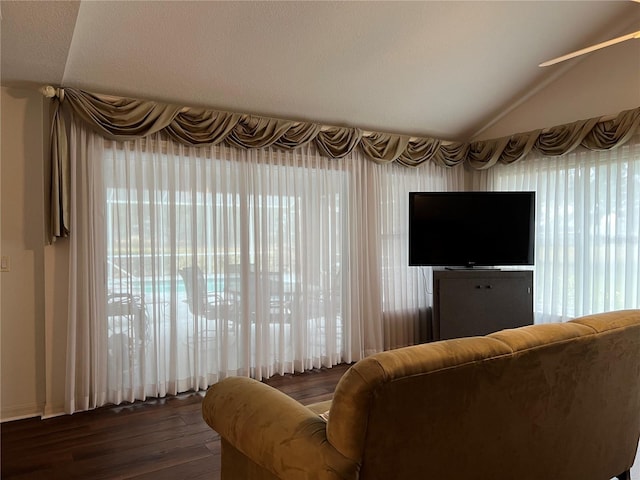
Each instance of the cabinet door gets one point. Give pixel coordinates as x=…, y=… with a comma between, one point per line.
x=476, y=305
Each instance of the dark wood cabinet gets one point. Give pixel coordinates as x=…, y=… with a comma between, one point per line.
x=477, y=302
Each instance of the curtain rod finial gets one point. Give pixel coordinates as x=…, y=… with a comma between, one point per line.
x=49, y=91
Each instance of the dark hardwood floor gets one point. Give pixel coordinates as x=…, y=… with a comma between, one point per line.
x=157, y=439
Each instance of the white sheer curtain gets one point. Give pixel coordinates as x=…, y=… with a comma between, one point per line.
x=587, y=228
x=302, y=260
x=407, y=291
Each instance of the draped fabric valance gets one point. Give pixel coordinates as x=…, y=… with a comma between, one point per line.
x=120, y=118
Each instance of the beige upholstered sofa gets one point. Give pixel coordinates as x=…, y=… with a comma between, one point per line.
x=543, y=402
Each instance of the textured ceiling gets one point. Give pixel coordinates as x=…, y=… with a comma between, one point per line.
x=443, y=69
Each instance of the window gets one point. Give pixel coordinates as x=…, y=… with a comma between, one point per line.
x=192, y=264
x=587, y=229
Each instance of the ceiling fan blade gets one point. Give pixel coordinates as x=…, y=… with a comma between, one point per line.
x=598, y=46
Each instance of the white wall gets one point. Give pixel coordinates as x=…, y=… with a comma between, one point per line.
x=33, y=294
x=605, y=82
x=22, y=288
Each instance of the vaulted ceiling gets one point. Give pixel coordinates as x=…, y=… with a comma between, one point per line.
x=445, y=69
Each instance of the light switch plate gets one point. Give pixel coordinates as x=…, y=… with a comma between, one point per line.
x=5, y=264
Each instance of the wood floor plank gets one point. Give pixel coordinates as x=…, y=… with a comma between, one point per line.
x=157, y=439
x=199, y=469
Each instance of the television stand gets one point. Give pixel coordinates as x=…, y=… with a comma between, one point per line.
x=472, y=302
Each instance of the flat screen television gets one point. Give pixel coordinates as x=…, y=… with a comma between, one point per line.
x=469, y=229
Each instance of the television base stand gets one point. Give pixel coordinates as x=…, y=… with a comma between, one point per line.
x=473, y=268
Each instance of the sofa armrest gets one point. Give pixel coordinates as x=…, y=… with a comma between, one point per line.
x=274, y=431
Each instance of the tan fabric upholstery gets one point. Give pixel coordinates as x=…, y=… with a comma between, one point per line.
x=555, y=401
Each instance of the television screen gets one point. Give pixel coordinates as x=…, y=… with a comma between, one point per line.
x=467, y=229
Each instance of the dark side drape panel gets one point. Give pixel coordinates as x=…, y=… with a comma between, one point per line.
x=121, y=118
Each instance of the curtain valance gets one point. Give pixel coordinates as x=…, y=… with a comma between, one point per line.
x=121, y=118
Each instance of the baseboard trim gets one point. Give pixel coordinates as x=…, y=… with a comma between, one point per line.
x=51, y=412
x=20, y=412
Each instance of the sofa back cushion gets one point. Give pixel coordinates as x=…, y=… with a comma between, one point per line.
x=555, y=401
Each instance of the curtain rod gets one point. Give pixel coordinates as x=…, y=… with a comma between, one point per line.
x=51, y=92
